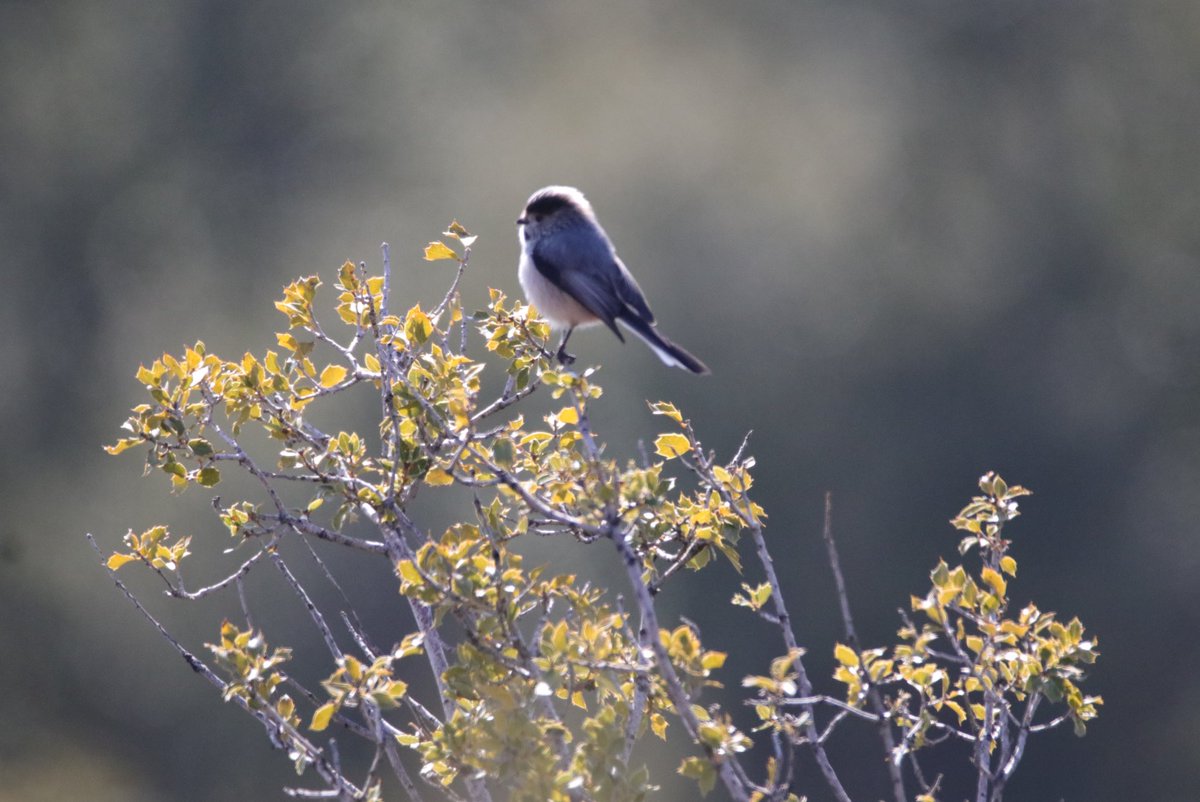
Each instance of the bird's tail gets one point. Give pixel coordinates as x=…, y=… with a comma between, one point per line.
x=667, y=351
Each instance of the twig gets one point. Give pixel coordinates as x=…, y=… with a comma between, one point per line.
x=832, y=701
x=683, y=706
x=241, y=591
x=387, y=279
x=264, y=712
x=306, y=527
x=751, y=522
x=356, y=631
x=180, y=592
x=435, y=650
x=507, y=398
x=873, y=696
x=313, y=611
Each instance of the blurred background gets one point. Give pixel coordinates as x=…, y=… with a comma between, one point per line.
x=914, y=242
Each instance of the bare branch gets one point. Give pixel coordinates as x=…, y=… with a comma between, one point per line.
x=180, y=592
x=386, y=293
x=751, y=522
x=314, y=612
x=683, y=705
x=873, y=697
x=265, y=713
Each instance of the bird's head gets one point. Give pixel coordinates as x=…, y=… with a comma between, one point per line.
x=551, y=209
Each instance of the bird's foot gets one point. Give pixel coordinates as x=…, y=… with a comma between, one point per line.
x=564, y=358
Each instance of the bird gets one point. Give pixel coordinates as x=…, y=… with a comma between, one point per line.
x=570, y=271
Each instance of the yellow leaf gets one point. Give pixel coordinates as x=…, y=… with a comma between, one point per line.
x=122, y=445
x=761, y=594
x=438, y=250
x=117, y=560
x=668, y=409
x=417, y=325
x=958, y=710
x=438, y=478
x=1008, y=565
x=845, y=655
x=993, y=578
x=559, y=636
x=567, y=415
x=353, y=667
x=321, y=717
x=671, y=445
x=409, y=573
x=332, y=375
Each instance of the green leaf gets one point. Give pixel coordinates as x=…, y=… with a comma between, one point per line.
x=417, y=326
x=940, y=575
x=456, y=230
x=209, y=476
x=701, y=771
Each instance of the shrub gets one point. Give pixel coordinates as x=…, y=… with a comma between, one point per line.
x=545, y=684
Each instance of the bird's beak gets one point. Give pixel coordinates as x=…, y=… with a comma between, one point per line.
x=521, y=221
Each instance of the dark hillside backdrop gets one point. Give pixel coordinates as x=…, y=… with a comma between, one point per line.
x=914, y=241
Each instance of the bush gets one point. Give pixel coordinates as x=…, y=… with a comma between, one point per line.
x=546, y=685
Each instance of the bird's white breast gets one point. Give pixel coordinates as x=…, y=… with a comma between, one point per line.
x=555, y=305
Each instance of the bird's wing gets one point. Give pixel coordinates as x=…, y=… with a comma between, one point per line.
x=631, y=293
x=585, y=267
